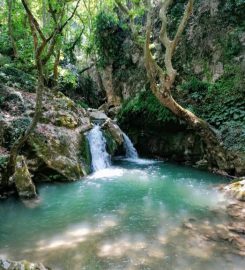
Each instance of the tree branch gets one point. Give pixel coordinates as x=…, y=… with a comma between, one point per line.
x=73, y=13
x=123, y=8
x=186, y=16
x=163, y=16
x=33, y=19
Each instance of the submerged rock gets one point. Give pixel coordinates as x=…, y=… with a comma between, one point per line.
x=22, y=179
x=21, y=265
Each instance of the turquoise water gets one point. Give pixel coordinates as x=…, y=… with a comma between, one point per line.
x=128, y=216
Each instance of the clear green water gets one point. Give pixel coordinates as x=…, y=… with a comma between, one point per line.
x=129, y=216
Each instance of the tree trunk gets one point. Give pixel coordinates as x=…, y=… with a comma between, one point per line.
x=18, y=144
x=162, y=82
x=56, y=65
x=216, y=154
x=10, y=28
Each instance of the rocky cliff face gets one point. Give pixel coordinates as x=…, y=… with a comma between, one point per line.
x=58, y=149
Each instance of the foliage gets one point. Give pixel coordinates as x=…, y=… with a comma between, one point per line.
x=217, y=102
x=15, y=130
x=80, y=87
x=233, y=134
x=231, y=12
x=147, y=107
x=13, y=76
x=109, y=35
x=196, y=89
x=68, y=78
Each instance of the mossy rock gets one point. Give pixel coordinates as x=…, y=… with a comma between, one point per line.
x=67, y=121
x=59, y=149
x=22, y=179
x=85, y=155
x=111, y=143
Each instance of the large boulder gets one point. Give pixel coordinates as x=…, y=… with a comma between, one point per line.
x=58, y=143
x=60, y=150
x=21, y=265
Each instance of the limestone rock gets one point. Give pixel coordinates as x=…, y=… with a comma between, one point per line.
x=22, y=179
x=114, y=130
x=21, y=265
x=98, y=115
x=59, y=148
x=113, y=135
x=236, y=189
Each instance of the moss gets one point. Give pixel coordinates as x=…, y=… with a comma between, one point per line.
x=111, y=144
x=66, y=121
x=147, y=107
x=85, y=155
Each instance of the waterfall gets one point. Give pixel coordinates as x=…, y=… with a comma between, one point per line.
x=97, y=144
x=129, y=148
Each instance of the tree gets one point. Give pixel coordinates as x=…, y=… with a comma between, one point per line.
x=44, y=47
x=162, y=80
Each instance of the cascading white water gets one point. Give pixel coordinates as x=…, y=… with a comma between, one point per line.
x=97, y=144
x=129, y=148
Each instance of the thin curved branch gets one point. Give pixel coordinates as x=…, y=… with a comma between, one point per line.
x=163, y=16
x=182, y=25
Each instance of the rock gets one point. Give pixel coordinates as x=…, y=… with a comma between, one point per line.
x=236, y=211
x=114, y=130
x=21, y=265
x=60, y=149
x=201, y=164
x=112, y=112
x=113, y=135
x=56, y=146
x=22, y=179
x=98, y=115
x=236, y=190
x=187, y=225
x=135, y=57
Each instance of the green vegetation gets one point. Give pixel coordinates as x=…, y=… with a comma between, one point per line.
x=109, y=34
x=147, y=107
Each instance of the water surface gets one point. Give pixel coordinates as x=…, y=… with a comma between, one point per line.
x=128, y=216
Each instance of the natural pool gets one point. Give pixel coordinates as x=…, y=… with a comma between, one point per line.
x=129, y=216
